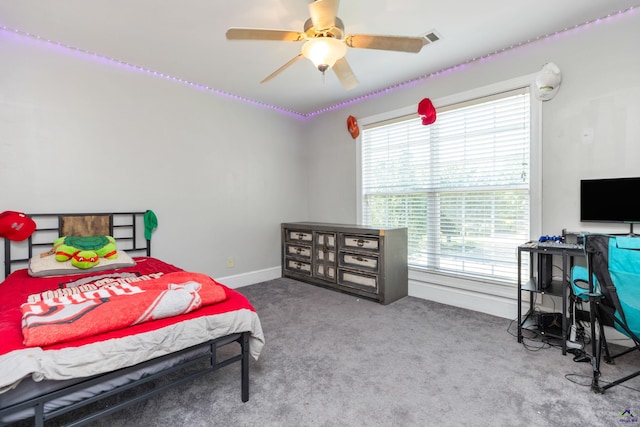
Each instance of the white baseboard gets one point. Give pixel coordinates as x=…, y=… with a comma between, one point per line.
x=496, y=305
x=486, y=303
x=244, y=279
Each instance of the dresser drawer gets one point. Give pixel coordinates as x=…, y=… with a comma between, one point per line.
x=299, y=267
x=370, y=243
x=326, y=256
x=299, y=251
x=326, y=271
x=299, y=236
x=358, y=261
x=328, y=240
x=358, y=280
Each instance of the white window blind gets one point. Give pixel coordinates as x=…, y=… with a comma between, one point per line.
x=460, y=185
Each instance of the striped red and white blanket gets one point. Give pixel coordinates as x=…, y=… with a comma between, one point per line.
x=50, y=319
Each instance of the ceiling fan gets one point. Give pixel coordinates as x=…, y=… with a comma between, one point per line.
x=326, y=44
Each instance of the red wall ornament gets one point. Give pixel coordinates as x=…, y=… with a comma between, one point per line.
x=352, y=127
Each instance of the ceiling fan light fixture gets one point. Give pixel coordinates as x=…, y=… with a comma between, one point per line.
x=324, y=51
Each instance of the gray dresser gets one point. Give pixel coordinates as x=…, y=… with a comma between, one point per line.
x=364, y=261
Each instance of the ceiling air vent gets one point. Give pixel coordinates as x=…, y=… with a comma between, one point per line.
x=430, y=37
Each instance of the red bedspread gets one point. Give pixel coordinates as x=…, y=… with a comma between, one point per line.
x=114, y=349
x=19, y=286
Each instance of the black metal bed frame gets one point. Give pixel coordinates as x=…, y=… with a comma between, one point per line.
x=38, y=403
x=127, y=231
x=126, y=226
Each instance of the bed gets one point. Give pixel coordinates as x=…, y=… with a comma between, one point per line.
x=56, y=362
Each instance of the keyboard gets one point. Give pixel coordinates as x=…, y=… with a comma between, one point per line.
x=559, y=245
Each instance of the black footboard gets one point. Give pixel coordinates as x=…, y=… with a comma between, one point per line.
x=193, y=367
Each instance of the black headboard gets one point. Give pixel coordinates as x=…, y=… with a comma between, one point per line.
x=127, y=228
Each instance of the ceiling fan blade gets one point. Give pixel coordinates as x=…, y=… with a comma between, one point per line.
x=397, y=43
x=281, y=69
x=344, y=73
x=323, y=13
x=260, y=34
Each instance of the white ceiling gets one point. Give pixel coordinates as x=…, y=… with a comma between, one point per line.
x=186, y=38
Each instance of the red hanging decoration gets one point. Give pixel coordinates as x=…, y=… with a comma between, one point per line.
x=352, y=127
x=427, y=111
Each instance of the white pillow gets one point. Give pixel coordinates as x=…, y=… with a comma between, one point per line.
x=48, y=266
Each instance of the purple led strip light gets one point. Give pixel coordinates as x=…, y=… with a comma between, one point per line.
x=326, y=109
x=152, y=72
x=463, y=65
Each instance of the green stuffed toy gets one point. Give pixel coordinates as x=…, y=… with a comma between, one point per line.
x=86, y=251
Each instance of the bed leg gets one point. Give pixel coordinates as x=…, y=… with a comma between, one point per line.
x=244, y=344
x=39, y=415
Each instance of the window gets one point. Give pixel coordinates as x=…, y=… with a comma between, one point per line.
x=461, y=185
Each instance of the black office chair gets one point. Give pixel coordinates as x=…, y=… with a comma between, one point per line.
x=615, y=263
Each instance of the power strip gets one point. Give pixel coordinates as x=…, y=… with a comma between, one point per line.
x=576, y=345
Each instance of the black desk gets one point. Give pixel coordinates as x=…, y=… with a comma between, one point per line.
x=557, y=288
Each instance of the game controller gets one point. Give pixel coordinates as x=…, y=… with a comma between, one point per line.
x=550, y=239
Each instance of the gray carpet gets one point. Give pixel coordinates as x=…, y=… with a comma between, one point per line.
x=333, y=359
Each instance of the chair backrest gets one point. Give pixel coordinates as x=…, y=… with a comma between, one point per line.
x=615, y=262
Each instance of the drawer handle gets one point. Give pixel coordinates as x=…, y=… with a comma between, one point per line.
x=298, y=265
x=361, y=259
x=298, y=251
x=300, y=236
x=361, y=242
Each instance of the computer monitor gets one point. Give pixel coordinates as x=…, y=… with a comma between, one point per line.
x=611, y=200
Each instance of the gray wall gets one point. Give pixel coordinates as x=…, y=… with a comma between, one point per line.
x=80, y=135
